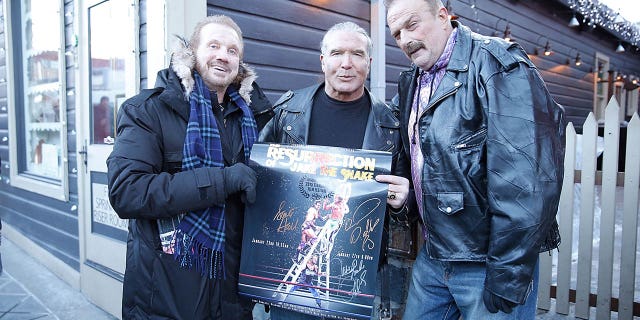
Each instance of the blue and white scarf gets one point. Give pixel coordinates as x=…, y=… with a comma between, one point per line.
x=199, y=237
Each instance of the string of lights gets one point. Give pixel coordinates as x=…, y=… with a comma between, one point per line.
x=597, y=14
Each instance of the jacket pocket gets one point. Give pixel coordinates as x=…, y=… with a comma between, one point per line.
x=450, y=202
x=471, y=141
x=389, y=137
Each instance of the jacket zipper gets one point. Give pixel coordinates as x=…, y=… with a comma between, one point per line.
x=431, y=105
x=465, y=143
x=262, y=112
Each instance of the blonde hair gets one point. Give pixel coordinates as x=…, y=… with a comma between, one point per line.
x=194, y=41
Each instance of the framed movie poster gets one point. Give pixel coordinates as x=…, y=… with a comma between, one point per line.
x=312, y=239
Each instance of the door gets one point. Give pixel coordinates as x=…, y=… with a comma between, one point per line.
x=109, y=73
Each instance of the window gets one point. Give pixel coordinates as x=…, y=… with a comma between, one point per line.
x=626, y=93
x=632, y=102
x=600, y=86
x=621, y=97
x=36, y=92
x=112, y=67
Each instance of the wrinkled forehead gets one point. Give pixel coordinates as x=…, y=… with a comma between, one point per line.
x=220, y=32
x=401, y=11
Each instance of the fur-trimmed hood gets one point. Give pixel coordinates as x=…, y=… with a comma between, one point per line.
x=183, y=62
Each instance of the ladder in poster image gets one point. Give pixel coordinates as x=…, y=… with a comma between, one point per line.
x=322, y=247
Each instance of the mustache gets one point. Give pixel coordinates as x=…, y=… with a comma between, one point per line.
x=413, y=46
x=211, y=64
x=218, y=64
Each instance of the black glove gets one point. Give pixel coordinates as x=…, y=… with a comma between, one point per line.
x=239, y=177
x=495, y=303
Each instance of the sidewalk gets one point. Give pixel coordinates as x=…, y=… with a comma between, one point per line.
x=28, y=290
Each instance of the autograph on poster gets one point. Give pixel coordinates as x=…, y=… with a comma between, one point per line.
x=312, y=238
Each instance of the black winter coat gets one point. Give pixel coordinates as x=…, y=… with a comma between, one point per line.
x=145, y=184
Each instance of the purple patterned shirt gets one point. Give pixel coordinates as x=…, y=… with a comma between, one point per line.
x=427, y=83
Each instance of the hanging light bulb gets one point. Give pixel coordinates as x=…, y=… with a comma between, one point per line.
x=547, y=49
x=578, y=59
x=507, y=33
x=620, y=48
x=574, y=21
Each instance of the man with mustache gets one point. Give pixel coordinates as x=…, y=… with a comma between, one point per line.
x=486, y=142
x=342, y=112
x=178, y=173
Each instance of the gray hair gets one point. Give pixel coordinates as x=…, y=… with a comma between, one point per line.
x=434, y=5
x=346, y=26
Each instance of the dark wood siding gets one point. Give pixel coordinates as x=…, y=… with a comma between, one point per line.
x=397, y=62
x=282, y=38
x=532, y=23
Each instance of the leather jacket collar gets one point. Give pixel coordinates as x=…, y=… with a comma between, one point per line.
x=295, y=108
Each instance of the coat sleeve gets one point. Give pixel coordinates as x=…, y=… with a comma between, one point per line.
x=402, y=168
x=402, y=165
x=268, y=133
x=272, y=131
x=525, y=153
x=261, y=106
x=138, y=187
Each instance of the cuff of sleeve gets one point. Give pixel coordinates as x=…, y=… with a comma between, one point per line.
x=216, y=189
x=400, y=215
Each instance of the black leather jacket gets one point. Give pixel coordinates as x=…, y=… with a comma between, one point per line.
x=493, y=145
x=290, y=125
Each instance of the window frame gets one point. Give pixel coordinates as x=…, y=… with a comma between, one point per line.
x=633, y=101
x=54, y=188
x=599, y=110
x=620, y=93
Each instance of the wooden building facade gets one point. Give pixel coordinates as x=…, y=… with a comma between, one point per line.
x=62, y=77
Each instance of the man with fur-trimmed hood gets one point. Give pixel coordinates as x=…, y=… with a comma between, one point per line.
x=178, y=173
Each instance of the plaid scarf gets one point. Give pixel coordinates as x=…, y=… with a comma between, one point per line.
x=199, y=237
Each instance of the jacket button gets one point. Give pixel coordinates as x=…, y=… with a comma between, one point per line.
x=397, y=123
x=449, y=209
x=487, y=41
x=288, y=128
x=457, y=83
x=389, y=142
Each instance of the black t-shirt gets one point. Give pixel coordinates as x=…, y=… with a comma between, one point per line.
x=337, y=123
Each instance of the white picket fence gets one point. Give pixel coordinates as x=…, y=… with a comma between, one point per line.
x=569, y=280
